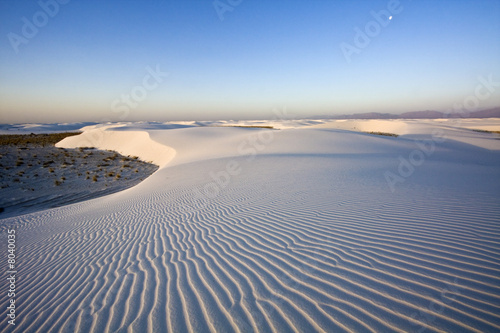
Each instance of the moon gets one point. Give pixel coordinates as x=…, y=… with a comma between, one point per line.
x=390, y=17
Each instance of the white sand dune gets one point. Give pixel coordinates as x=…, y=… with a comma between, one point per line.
x=246, y=229
x=134, y=143
x=462, y=130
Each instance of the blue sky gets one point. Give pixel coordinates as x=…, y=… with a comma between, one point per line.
x=86, y=57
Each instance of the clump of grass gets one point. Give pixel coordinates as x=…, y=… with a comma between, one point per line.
x=57, y=182
x=248, y=126
x=485, y=131
x=51, y=170
x=111, y=158
x=16, y=180
x=94, y=179
x=19, y=163
x=383, y=133
x=255, y=126
x=118, y=176
x=110, y=174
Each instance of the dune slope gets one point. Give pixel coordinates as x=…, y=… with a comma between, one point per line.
x=296, y=230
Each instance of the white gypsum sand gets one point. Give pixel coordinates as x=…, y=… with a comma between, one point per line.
x=297, y=229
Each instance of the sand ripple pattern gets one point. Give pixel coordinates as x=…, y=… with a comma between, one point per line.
x=292, y=244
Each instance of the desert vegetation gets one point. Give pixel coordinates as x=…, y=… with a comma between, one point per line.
x=383, y=134
x=484, y=131
x=34, y=139
x=248, y=126
x=30, y=164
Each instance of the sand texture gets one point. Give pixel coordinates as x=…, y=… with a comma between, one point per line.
x=291, y=229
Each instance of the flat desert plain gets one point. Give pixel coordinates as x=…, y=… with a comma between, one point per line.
x=272, y=226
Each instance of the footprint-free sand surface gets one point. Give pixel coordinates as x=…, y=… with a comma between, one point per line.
x=309, y=227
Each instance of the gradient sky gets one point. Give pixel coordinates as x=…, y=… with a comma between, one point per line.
x=263, y=55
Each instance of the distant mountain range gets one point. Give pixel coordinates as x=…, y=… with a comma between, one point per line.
x=488, y=113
